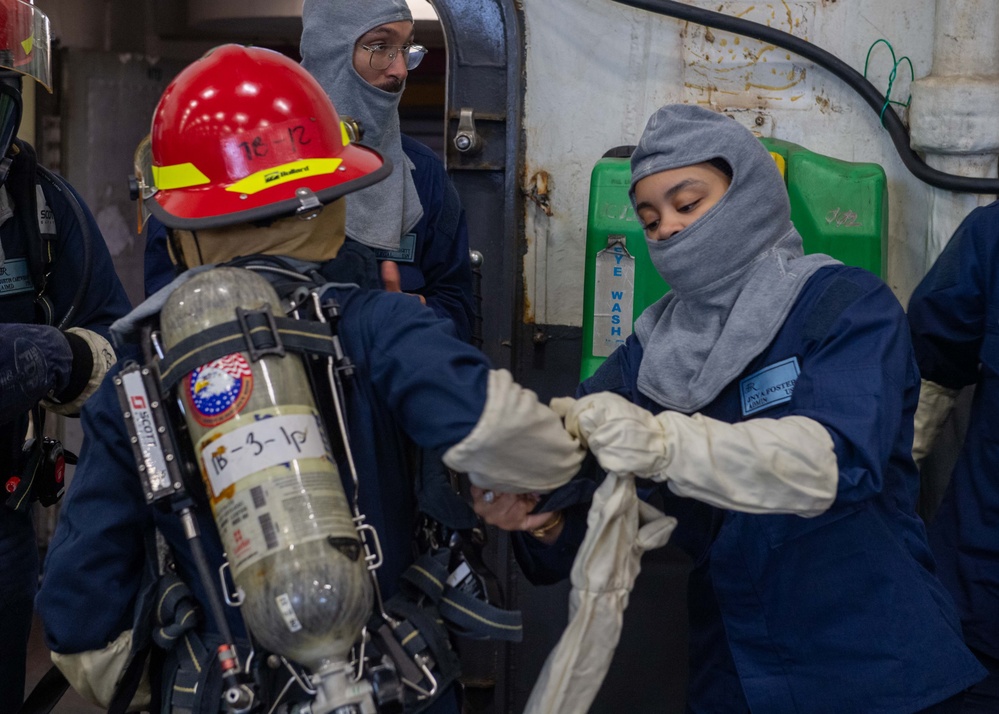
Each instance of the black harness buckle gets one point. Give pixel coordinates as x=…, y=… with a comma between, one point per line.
x=260, y=331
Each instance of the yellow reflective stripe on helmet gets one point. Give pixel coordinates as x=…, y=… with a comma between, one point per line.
x=284, y=173
x=344, y=134
x=178, y=176
x=28, y=45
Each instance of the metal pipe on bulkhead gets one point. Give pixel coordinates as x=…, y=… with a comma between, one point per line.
x=952, y=117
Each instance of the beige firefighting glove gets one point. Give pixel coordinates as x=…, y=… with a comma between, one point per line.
x=619, y=529
x=935, y=405
x=783, y=465
x=94, y=675
x=518, y=444
x=93, y=353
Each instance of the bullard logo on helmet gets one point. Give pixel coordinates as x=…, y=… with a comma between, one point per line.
x=277, y=175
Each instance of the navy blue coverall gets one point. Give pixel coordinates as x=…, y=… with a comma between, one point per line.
x=836, y=613
x=101, y=302
x=954, y=317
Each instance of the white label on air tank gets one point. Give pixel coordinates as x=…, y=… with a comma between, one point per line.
x=265, y=443
x=288, y=612
x=613, y=297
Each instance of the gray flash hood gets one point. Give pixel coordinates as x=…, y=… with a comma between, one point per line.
x=377, y=216
x=734, y=274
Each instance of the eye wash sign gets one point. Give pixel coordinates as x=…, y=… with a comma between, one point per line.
x=614, y=297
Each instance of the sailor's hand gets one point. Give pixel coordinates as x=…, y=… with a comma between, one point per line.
x=512, y=512
x=509, y=511
x=392, y=281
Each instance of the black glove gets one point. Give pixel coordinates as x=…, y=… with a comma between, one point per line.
x=41, y=363
x=35, y=361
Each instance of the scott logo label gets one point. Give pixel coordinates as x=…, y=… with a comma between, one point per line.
x=46, y=216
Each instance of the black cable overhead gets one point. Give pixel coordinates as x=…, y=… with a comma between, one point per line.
x=896, y=129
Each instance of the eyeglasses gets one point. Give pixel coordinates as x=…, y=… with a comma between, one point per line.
x=382, y=56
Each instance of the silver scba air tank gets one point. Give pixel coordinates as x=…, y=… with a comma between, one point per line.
x=274, y=488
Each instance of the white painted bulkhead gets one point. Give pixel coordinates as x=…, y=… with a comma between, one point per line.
x=596, y=70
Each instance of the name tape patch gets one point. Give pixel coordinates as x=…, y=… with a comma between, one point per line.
x=405, y=253
x=15, y=278
x=769, y=387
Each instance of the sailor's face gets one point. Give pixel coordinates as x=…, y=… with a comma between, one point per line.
x=669, y=201
x=381, y=42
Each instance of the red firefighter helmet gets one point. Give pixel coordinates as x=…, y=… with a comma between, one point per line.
x=24, y=49
x=246, y=134
x=24, y=40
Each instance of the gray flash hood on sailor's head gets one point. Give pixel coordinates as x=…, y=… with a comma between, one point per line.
x=379, y=215
x=735, y=272
x=750, y=218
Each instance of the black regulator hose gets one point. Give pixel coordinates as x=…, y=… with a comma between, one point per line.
x=896, y=129
x=87, y=267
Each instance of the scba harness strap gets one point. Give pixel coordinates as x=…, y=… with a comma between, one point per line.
x=195, y=686
x=258, y=332
x=36, y=221
x=192, y=682
x=429, y=580
x=430, y=605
